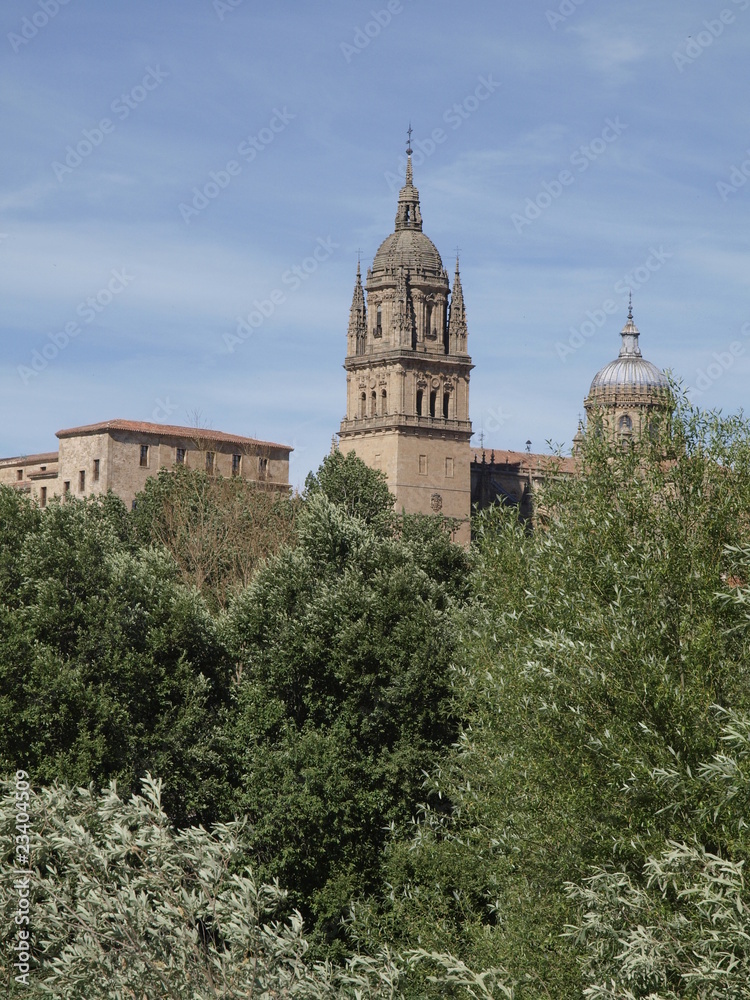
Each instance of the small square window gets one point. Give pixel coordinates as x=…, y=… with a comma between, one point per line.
x=423, y=465
x=144, y=456
x=96, y=470
x=236, y=464
x=82, y=481
x=179, y=456
x=209, y=461
x=43, y=496
x=66, y=486
x=19, y=475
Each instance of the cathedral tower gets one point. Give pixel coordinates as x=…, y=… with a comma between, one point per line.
x=407, y=370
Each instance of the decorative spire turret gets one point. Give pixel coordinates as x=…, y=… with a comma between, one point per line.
x=630, y=334
x=408, y=215
x=457, y=329
x=358, y=317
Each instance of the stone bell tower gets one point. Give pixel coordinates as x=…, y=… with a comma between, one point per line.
x=407, y=370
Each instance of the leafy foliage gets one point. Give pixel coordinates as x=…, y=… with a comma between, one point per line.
x=108, y=666
x=217, y=530
x=343, y=645
x=124, y=906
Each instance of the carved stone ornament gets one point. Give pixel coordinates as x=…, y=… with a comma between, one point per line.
x=448, y=385
x=372, y=383
x=436, y=383
x=436, y=502
x=362, y=383
x=421, y=382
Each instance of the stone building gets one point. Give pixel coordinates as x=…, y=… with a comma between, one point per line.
x=407, y=371
x=630, y=396
x=120, y=455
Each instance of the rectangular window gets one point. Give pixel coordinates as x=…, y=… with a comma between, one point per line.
x=209, y=461
x=66, y=486
x=82, y=481
x=96, y=470
x=449, y=468
x=423, y=465
x=263, y=467
x=43, y=496
x=144, y=456
x=19, y=475
x=179, y=456
x=236, y=465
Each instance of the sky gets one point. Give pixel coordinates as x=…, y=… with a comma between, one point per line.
x=170, y=169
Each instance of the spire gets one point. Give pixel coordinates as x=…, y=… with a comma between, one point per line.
x=358, y=315
x=408, y=215
x=630, y=334
x=457, y=321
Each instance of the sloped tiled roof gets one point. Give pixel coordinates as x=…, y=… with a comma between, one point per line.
x=163, y=430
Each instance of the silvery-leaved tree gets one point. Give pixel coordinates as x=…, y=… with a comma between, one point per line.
x=679, y=929
x=123, y=907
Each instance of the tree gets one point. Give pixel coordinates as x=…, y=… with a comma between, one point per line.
x=592, y=654
x=343, y=647
x=217, y=530
x=679, y=928
x=108, y=666
x=358, y=489
x=124, y=906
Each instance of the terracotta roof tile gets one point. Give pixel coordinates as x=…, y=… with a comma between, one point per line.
x=523, y=459
x=45, y=457
x=160, y=430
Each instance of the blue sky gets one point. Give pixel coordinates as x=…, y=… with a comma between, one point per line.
x=169, y=167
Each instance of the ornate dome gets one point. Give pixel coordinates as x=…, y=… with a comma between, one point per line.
x=630, y=372
x=408, y=248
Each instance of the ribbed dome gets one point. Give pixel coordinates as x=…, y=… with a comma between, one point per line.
x=411, y=249
x=630, y=371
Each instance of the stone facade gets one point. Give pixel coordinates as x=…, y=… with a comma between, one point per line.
x=120, y=455
x=408, y=369
x=512, y=477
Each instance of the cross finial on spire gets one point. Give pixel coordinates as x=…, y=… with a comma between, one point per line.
x=630, y=304
x=458, y=251
x=408, y=141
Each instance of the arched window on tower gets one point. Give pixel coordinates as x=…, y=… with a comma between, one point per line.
x=433, y=400
x=374, y=404
x=420, y=397
x=446, y=404
x=379, y=322
x=363, y=405
x=625, y=424
x=384, y=402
